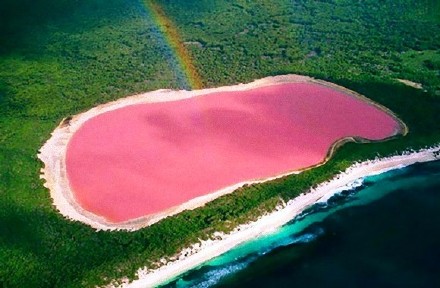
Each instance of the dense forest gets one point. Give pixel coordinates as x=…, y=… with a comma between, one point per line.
x=58, y=58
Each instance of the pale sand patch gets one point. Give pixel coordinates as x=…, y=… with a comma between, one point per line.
x=410, y=83
x=206, y=250
x=53, y=152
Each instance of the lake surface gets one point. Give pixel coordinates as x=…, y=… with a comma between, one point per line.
x=144, y=159
x=384, y=233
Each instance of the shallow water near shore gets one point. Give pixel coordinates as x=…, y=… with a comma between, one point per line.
x=382, y=233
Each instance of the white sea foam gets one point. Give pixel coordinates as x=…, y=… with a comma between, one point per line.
x=350, y=186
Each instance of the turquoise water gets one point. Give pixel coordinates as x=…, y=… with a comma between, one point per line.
x=379, y=234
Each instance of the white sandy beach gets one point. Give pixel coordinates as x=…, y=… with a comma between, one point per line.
x=206, y=250
x=53, y=153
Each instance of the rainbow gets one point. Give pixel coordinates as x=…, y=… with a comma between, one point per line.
x=171, y=35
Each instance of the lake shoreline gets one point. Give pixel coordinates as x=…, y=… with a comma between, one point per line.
x=53, y=152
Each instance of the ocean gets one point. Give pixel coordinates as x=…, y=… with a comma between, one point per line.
x=384, y=232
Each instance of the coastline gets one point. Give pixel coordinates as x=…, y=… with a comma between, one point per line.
x=199, y=253
x=53, y=152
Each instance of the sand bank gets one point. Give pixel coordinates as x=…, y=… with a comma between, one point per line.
x=53, y=153
x=410, y=83
x=199, y=253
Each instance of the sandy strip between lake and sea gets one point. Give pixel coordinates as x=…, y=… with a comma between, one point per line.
x=199, y=253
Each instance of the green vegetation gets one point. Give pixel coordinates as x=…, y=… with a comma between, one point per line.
x=59, y=58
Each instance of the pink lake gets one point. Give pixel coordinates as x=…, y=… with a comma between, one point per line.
x=143, y=159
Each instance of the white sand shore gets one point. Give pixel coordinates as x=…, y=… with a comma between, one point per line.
x=199, y=253
x=53, y=152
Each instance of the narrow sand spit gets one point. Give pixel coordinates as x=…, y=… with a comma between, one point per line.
x=199, y=253
x=53, y=153
x=410, y=83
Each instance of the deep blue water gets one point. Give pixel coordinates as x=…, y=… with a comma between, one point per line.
x=385, y=233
